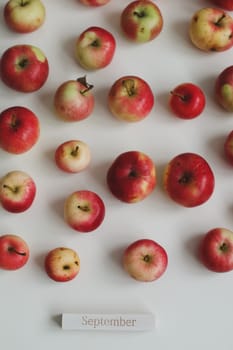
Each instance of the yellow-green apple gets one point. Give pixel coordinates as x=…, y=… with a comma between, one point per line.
x=62, y=264
x=19, y=129
x=74, y=100
x=24, y=16
x=211, y=29
x=94, y=3
x=224, y=4
x=95, y=48
x=228, y=147
x=84, y=210
x=24, y=68
x=72, y=156
x=187, y=101
x=145, y=260
x=189, y=180
x=130, y=98
x=216, y=250
x=132, y=176
x=17, y=191
x=141, y=21
x=14, y=252
x=224, y=89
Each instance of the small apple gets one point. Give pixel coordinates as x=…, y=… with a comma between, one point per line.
x=19, y=129
x=211, y=29
x=228, y=147
x=94, y=3
x=132, y=176
x=130, y=98
x=141, y=21
x=24, y=68
x=14, y=252
x=62, y=264
x=187, y=101
x=216, y=250
x=145, y=260
x=17, y=191
x=95, y=48
x=224, y=4
x=189, y=180
x=74, y=100
x=84, y=211
x=24, y=16
x=224, y=89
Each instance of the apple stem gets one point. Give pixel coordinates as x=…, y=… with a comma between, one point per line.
x=83, y=81
x=83, y=208
x=129, y=85
x=224, y=247
x=75, y=151
x=139, y=14
x=220, y=20
x=13, y=250
x=182, y=97
x=15, y=190
x=24, y=2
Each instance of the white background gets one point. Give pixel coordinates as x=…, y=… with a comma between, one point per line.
x=193, y=306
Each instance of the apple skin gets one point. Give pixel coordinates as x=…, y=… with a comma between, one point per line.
x=189, y=180
x=19, y=129
x=141, y=21
x=17, y=191
x=216, y=250
x=24, y=68
x=74, y=100
x=224, y=4
x=24, y=16
x=14, y=252
x=130, y=99
x=132, y=176
x=94, y=3
x=211, y=29
x=228, y=147
x=84, y=211
x=187, y=101
x=145, y=260
x=224, y=89
x=62, y=264
x=95, y=48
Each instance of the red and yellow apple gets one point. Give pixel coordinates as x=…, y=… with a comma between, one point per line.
x=14, y=252
x=224, y=89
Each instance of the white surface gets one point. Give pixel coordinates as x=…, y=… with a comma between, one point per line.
x=193, y=305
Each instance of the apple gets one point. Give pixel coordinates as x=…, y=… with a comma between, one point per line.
x=187, y=101
x=141, y=21
x=84, y=211
x=224, y=4
x=145, y=260
x=14, y=252
x=94, y=2
x=74, y=100
x=72, y=156
x=62, y=264
x=224, y=89
x=132, y=176
x=216, y=250
x=24, y=16
x=130, y=98
x=228, y=147
x=17, y=191
x=19, y=129
x=211, y=29
x=95, y=48
x=24, y=68
x=189, y=180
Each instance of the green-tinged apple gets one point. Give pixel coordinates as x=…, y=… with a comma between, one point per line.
x=24, y=16
x=74, y=100
x=211, y=29
x=145, y=260
x=84, y=211
x=17, y=191
x=224, y=4
x=62, y=264
x=94, y=3
x=130, y=98
x=95, y=48
x=141, y=21
x=132, y=176
x=224, y=89
x=189, y=180
x=14, y=252
x=24, y=68
x=228, y=147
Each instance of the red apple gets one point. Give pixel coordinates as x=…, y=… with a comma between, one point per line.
x=130, y=98
x=228, y=147
x=141, y=21
x=14, y=252
x=74, y=100
x=17, y=191
x=94, y=3
x=187, y=101
x=84, y=211
x=224, y=89
x=216, y=250
x=24, y=68
x=224, y=4
x=132, y=176
x=145, y=260
x=19, y=129
x=95, y=48
x=189, y=180
x=62, y=264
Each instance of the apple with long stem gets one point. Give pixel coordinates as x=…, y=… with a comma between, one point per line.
x=14, y=252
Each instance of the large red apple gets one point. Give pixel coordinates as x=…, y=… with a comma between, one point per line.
x=14, y=252
x=224, y=89
x=224, y=4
